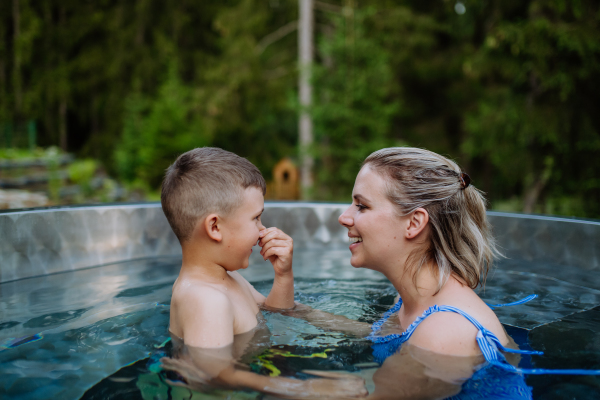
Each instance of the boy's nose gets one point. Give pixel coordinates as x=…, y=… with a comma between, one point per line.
x=345, y=219
x=261, y=226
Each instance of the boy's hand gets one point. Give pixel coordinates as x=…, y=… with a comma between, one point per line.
x=278, y=248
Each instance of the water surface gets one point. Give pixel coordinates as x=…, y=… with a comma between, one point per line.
x=91, y=332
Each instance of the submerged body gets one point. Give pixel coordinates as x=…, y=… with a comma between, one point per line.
x=489, y=380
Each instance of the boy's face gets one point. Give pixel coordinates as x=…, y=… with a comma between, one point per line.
x=241, y=228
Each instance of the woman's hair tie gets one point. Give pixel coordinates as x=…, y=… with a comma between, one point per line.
x=465, y=181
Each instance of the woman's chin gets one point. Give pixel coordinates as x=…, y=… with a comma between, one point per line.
x=356, y=263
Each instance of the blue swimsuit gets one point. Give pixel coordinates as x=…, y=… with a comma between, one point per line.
x=495, y=379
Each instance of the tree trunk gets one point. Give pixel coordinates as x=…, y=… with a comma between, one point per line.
x=305, y=124
x=532, y=193
x=62, y=115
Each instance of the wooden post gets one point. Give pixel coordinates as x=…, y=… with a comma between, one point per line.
x=305, y=125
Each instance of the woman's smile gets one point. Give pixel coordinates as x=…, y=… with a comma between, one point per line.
x=355, y=241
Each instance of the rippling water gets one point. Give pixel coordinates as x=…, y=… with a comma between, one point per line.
x=93, y=330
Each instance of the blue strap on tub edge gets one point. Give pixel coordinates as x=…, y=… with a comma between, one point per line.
x=488, y=342
x=514, y=303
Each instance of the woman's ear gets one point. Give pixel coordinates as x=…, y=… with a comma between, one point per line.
x=417, y=222
x=212, y=227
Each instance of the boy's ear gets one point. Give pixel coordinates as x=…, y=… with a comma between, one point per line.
x=417, y=223
x=212, y=227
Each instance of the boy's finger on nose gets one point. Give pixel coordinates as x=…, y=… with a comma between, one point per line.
x=264, y=240
x=276, y=233
x=265, y=231
x=266, y=247
x=273, y=243
x=274, y=251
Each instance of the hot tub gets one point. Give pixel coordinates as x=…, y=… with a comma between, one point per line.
x=84, y=296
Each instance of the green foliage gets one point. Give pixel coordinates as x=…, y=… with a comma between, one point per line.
x=353, y=109
x=156, y=130
x=534, y=121
x=27, y=154
x=81, y=173
x=55, y=181
x=510, y=89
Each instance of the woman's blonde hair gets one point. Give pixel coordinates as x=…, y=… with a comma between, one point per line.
x=461, y=242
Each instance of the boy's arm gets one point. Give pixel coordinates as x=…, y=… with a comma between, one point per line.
x=206, y=318
x=278, y=248
x=258, y=296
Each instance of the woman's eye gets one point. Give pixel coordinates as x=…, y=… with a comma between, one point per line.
x=360, y=207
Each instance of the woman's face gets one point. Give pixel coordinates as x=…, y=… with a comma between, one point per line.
x=374, y=228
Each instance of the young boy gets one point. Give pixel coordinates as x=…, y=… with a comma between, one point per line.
x=213, y=200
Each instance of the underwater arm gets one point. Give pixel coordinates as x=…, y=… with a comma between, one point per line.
x=204, y=369
x=328, y=321
x=332, y=385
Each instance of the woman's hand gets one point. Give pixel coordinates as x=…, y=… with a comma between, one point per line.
x=335, y=385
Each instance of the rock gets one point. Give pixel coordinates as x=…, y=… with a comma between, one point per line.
x=22, y=199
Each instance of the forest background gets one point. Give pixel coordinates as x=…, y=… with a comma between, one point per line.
x=510, y=89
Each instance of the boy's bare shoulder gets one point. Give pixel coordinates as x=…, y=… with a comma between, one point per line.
x=238, y=277
x=195, y=293
x=202, y=314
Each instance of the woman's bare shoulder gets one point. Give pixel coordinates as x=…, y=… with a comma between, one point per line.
x=446, y=333
x=453, y=334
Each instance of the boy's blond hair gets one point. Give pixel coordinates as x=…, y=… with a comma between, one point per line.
x=202, y=181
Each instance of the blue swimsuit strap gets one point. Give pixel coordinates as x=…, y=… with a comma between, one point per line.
x=488, y=342
x=514, y=303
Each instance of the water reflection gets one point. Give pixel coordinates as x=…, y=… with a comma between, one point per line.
x=234, y=366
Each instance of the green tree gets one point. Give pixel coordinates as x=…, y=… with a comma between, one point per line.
x=156, y=130
x=353, y=106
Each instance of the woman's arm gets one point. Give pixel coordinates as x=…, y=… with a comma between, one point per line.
x=327, y=321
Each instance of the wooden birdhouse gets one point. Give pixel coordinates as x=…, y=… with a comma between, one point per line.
x=285, y=181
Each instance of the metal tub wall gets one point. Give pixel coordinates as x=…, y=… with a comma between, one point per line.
x=40, y=242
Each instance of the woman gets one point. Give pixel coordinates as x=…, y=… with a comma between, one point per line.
x=416, y=219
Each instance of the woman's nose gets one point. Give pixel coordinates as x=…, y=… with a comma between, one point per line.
x=346, y=219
